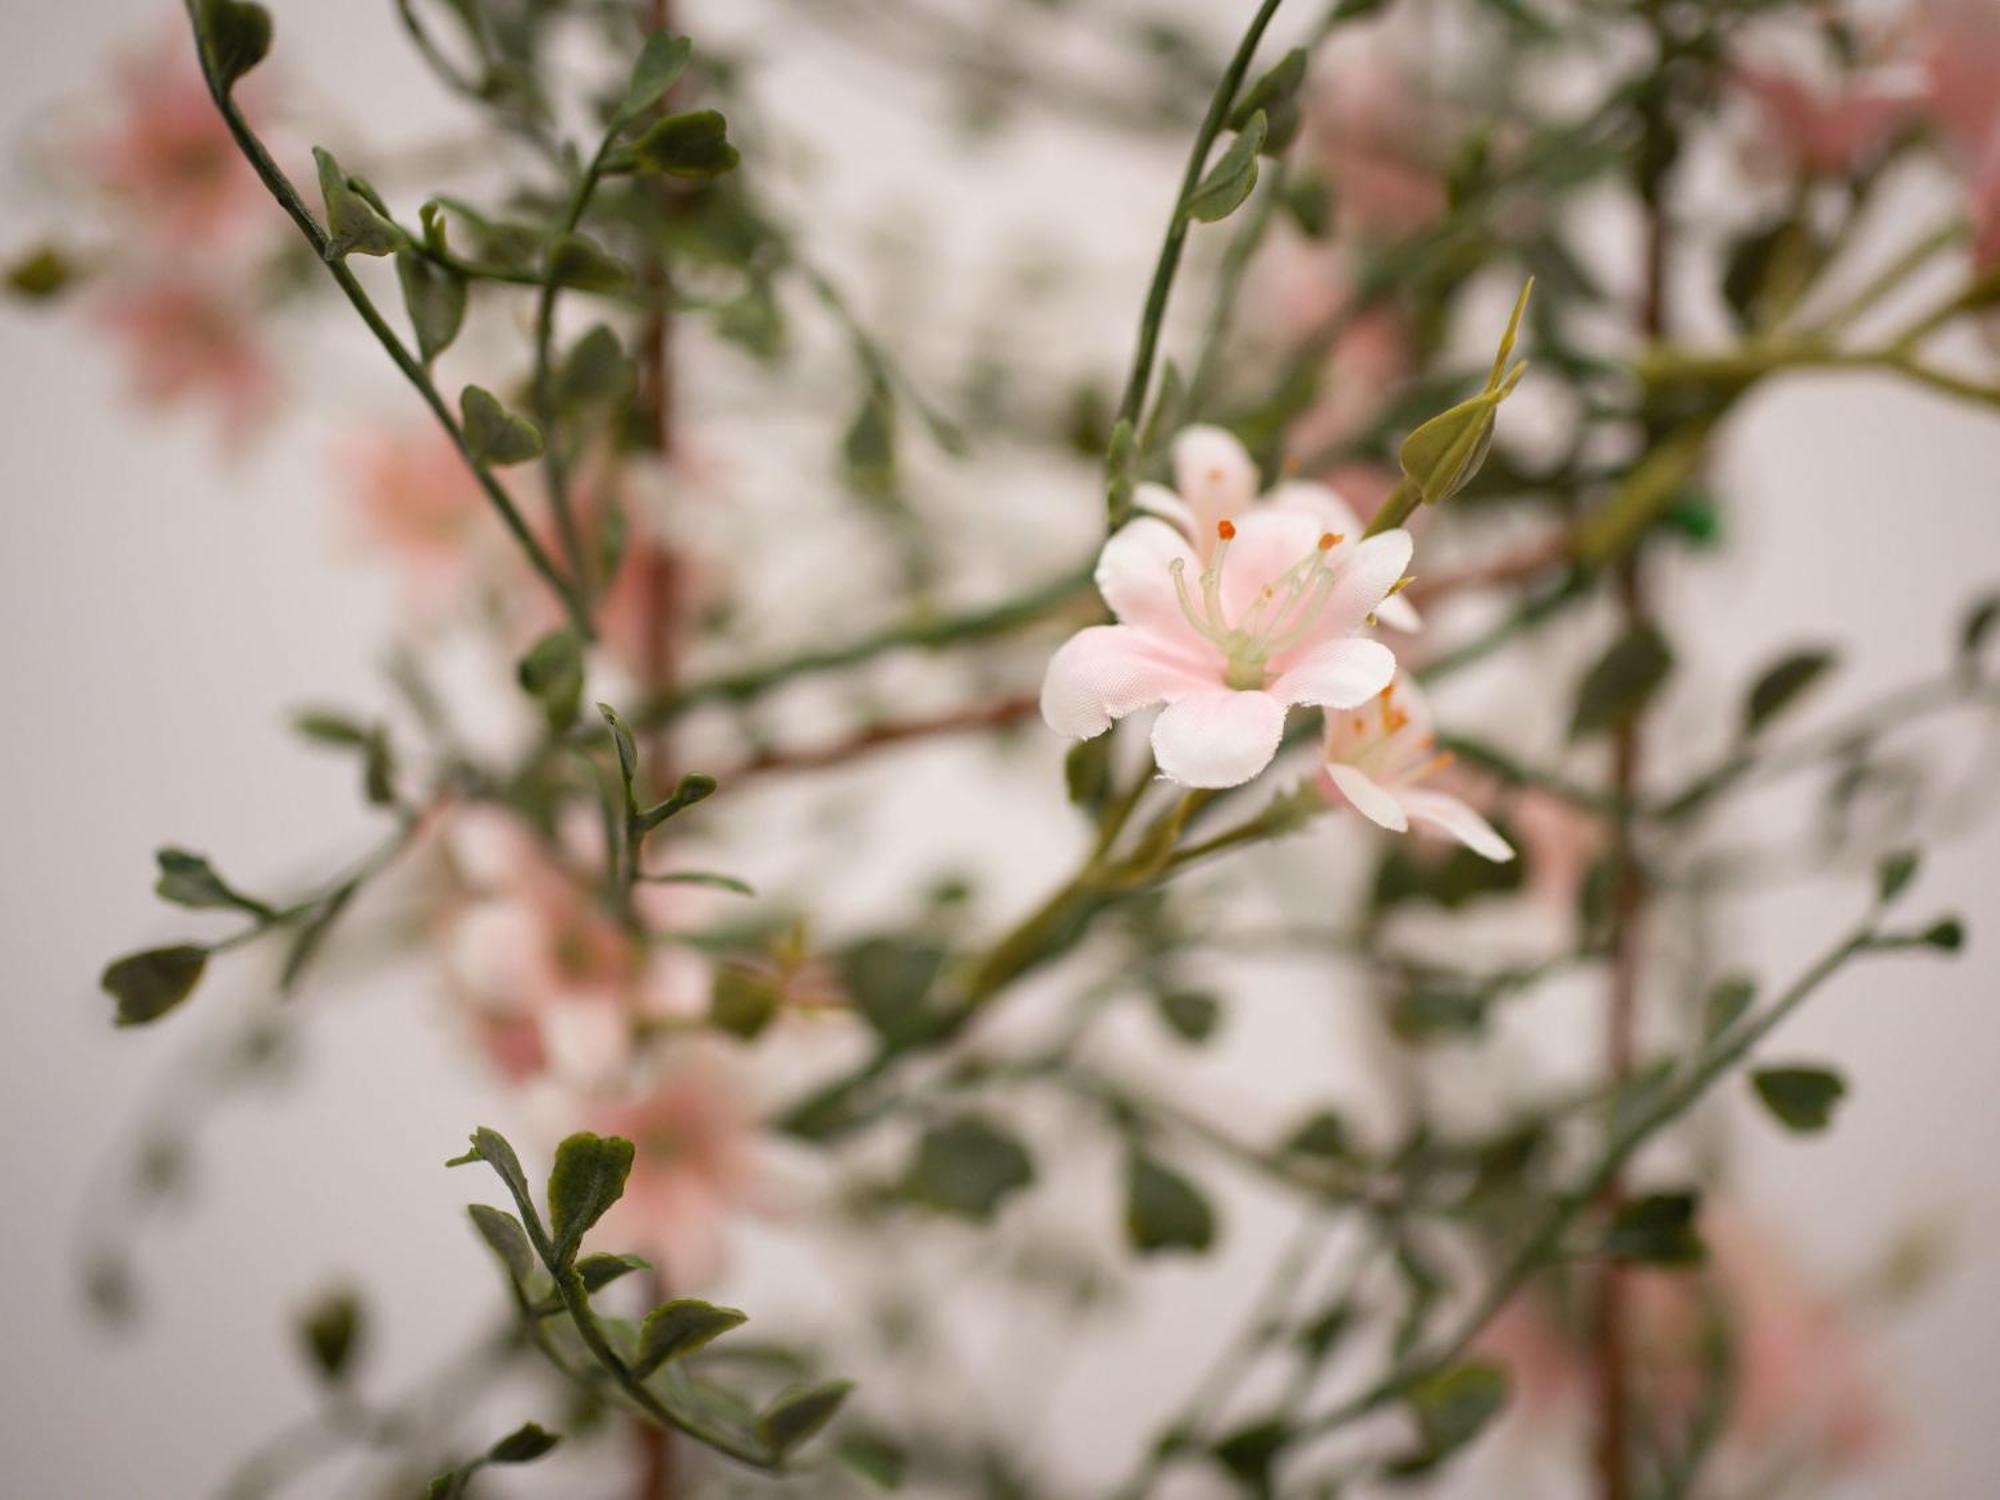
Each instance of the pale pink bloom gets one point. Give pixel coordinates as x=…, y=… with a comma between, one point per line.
x=192, y=344
x=695, y=1164
x=1267, y=619
x=1960, y=42
x=1375, y=132
x=1830, y=131
x=1985, y=207
x=171, y=159
x=1562, y=842
x=421, y=504
x=1377, y=757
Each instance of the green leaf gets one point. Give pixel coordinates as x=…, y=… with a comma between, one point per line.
x=1781, y=685
x=1947, y=935
x=1163, y=1209
x=1192, y=1014
x=690, y=789
x=577, y=260
x=494, y=435
x=353, y=226
x=42, y=273
x=1978, y=625
x=1621, y=684
x=589, y=1176
x=1800, y=1099
x=235, y=37
x=714, y=880
x=523, y=1445
x=1894, y=874
x=678, y=1328
x=743, y=1001
x=868, y=447
x=1276, y=95
x=595, y=372
x=627, y=748
x=435, y=298
x=1729, y=1000
x=1249, y=1452
x=147, y=985
x=491, y=1147
x=599, y=1271
x=1230, y=180
x=188, y=879
x=552, y=674
x=890, y=979
x=1452, y=1408
x=1658, y=1229
x=507, y=1239
x=331, y=1330
x=1322, y=1134
x=661, y=62
x=692, y=145
x=313, y=934
x=968, y=1167
x=798, y=1413
x=876, y=1458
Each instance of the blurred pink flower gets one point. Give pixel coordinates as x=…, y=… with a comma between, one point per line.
x=1830, y=131
x=1377, y=758
x=1960, y=44
x=170, y=158
x=1373, y=129
x=1273, y=622
x=1562, y=842
x=1985, y=207
x=420, y=503
x=695, y=1164
x=191, y=344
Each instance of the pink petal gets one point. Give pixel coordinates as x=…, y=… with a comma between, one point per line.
x=1453, y=817
x=1218, y=738
x=1368, y=797
x=1399, y=614
x=1134, y=574
x=1109, y=671
x=1268, y=541
x=1215, y=476
x=1338, y=674
x=1157, y=500
x=1320, y=501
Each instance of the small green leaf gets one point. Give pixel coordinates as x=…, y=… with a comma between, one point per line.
x=1230, y=180
x=353, y=225
x=1946, y=935
x=680, y=1327
x=595, y=372
x=1452, y=1408
x=331, y=1330
x=626, y=746
x=235, y=37
x=589, y=1176
x=491, y=1147
x=1978, y=625
x=1894, y=874
x=1782, y=685
x=1276, y=94
x=876, y=1458
x=692, y=145
x=552, y=674
x=1441, y=457
x=1192, y=1014
x=1322, y=1134
x=1728, y=1001
x=599, y=1271
x=798, y=1413
x=968, y=1167
x=690, y=789
x=147, y=985
x=577, y=260
x=1800, y=1099
x=1621, y=684
x=1163, y=1209
x=1249, y=1452
x=42, y=273
x=188, y=879
x=494, y=435
x=435, y=298
x=523, y=1445
x=868, y=447
x=890, y=979
x=661, y=62
x=1658, y=1229
x=743, y=1001
x=508, y=1240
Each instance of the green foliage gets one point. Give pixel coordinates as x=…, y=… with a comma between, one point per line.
x=692, y=788
x=968, y=1167
x=662, y=60
x=331, y=1333
x=1164, y=1211
x=508, y=1240
x=552, y=674
x=1800, y=1099
x=1729, y=1000
x=1780, y=686
x=1622, y=683
x=188, y=879
x=494, y=435
x=800, y=1412
x=1192, y=1015
x=889, y=979
x=1233, y=176
x=1895, y=873
x=678, y=1328
x=1276, y=96
x=694, y=145
x=875, y=1457
x=1441, y=456
x=235, y=37
x=576, y=260
x=353, y=225
x=595, y=373
x=435, y=298
x=149, y=984
x=1452, y=1408
x=589, y=1176
x=41, y=274
x=599, y=1271
x=523, y=1445
x=1657, y=1229
x=1249, y=1453
x=743, y=1001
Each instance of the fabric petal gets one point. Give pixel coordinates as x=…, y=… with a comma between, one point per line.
x=1157, y=500
x=1338, y=674
x=1216, y=477
x=1321, y=501
x=1398, y=613
x=1267, y=544
x=1450, y=816
x=1218, y=738
x=1367, y=573
x=1109, y=671
x=1134, y=574
x=1368, y=797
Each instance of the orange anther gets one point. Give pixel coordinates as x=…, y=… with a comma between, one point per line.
x=1328, y=540
x=1226, y=529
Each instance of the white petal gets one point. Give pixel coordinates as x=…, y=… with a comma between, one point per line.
x=1399, y=614
x=1218, y=738
x=1320, y=501
x=1366, y=576
x=1157, y=500
x=1109, y=671
x=1268, y=543
x=1338, y=674
x=1453, y=817
x=1215, y=475
x=1368, y=797
x=1134, y=574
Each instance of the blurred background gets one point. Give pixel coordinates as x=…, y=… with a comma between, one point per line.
x=166, y=608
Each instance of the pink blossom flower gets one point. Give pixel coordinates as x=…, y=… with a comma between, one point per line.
x=695, y=1163
x=1373, y=129
x=1826, y=131
x=1377, y=758
x=170, y=158
x=1985, y=207
x=420, y=503
x=190, y=343
x=1271, y=622
x=1960, y=43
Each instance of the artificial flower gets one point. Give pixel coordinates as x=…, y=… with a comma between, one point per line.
x=1377, y=759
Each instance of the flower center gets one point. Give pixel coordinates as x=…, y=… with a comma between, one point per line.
x=1379, y=745
x=1279, y=618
